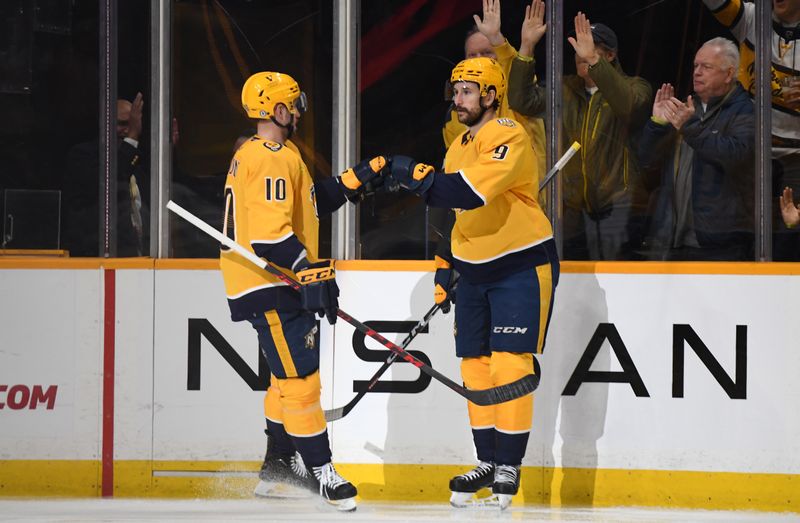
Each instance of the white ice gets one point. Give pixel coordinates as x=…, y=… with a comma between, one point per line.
x=150, y=510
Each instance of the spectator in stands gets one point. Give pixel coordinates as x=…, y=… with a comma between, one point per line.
x=739, y=17
x=603, y=109
x=82, y=190
x=704, y=150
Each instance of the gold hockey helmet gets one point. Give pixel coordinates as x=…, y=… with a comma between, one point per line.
x=263, y=91
x=485, y=72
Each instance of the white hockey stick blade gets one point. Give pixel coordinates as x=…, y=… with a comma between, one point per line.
x=560, y=164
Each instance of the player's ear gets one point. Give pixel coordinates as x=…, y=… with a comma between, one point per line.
x=282, y=114
x=490, y=97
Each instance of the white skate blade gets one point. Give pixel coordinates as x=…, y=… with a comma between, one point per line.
x=274, y=489
x=341, y=505
x=504, y=500
x=471, y=500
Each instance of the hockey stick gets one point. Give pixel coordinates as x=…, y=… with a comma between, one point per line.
x=340, y=412
x=493, y=396
x=560, y=164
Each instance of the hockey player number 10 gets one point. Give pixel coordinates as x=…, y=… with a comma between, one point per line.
x=275, y=189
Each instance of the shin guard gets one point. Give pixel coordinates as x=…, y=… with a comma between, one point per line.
x=513, y=419
x=304, y=419
x=476, y=375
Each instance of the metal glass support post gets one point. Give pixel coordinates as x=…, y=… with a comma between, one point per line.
x=161, y=128
x=107, y=179
x=554, y=74
x=344, y=244
x=763, y=102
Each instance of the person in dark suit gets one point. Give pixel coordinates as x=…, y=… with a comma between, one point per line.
x=82, y=194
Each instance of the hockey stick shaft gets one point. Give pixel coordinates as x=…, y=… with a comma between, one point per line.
x=560, y=164
x=493, y=396
x=340, y=412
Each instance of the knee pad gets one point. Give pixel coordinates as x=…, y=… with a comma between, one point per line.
x=299, y=399
x=476, y=375
x=272, y=401
x=507, y=367
x=513, y=416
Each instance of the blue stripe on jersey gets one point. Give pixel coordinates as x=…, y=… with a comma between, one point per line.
x=284, y=253
x=451, y=191
x=253, y=304
x=491, y=271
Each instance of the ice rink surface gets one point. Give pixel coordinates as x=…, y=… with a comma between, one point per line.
x=149, y=510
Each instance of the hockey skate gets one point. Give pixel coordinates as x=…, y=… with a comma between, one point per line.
x=333, y=488
x=464, y=487
x=284, y=477
x=506, y=484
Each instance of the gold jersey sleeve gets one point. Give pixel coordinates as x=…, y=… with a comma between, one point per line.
x=269, y=196
x=499, y=165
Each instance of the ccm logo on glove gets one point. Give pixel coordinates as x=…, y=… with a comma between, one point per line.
x=311, y=275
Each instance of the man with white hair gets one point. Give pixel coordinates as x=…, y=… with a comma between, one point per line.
x=704, y=149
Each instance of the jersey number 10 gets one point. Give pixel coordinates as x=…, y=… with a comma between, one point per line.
x=275, y=189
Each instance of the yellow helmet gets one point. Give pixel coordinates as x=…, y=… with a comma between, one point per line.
x=483, y=71
x=263, y=91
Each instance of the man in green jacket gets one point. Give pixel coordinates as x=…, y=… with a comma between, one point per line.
x=603, y=108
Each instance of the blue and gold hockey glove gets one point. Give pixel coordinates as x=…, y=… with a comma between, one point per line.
x=410, y=175
x=364, y=178
x=318, y=290
x=443, y=290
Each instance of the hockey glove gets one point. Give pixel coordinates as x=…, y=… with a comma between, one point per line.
x=410, y=175
x=318, y=290
x=444, y=293
x=362, y=179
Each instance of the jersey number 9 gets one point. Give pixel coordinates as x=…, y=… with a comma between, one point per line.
x=500, y=152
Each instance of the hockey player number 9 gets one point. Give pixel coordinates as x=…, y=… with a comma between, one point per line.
x=500, y=152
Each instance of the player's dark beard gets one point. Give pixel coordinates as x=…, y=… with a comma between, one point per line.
x=290, y=127
x=472, y=117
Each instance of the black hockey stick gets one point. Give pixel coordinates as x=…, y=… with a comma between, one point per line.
x=340, y=412
x=493, y=396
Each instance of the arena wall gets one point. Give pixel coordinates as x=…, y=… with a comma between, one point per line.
x=662, y=385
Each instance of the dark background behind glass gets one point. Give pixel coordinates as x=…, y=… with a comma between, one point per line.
x=217, y=45
x=49, y=87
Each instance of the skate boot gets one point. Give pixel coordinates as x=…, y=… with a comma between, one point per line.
x=284, y=477
x=506, y=484
x=333, y=488
x=464, y=487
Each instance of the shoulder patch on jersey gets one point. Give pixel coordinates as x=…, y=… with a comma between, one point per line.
x=507, y=122
x=272, y=146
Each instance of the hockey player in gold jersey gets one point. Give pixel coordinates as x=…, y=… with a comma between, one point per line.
x=502, y=245
x=272, y=207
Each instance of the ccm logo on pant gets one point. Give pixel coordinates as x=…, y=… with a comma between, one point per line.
x=510, y=330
